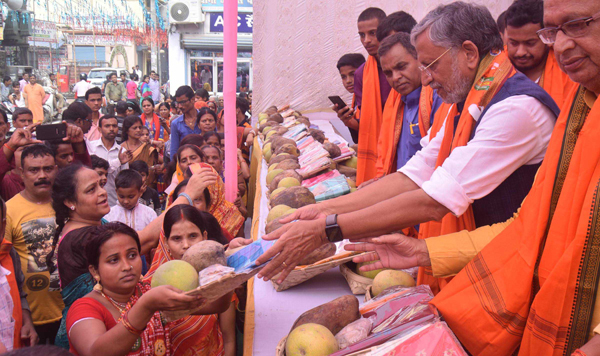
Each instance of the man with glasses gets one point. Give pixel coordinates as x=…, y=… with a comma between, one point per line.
x=532, y=286
x=477, y=163
x=529, y=54
x=187, y=122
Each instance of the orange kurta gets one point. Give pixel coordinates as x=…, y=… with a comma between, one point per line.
x=35, y=99
x=533, y=286
x=491, y=75
x=370, y=123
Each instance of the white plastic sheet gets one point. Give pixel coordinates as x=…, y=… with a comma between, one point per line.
x=297, y=45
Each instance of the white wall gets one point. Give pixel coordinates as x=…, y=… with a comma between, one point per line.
x=297, y=45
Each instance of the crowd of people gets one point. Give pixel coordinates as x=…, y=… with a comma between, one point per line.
x=477, y=163
x=120, y=182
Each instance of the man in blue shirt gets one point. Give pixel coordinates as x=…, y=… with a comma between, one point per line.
x=186, y=123
x=409, y=113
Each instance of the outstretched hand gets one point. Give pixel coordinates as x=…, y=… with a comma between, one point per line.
x=125, y=156
x=294, y=242
x=200, y=181
x=308, y=212
x=394, y=251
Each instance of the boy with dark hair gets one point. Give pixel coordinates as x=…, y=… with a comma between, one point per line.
x=529, y=54
x=79, y=114
x=101, y=166
x=371, y=90
x=130, y=187
x=347, y=65
x=150, y=196
x=121, y=110
x=395, y=22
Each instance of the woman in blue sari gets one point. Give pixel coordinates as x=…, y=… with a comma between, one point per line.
x=80, y=203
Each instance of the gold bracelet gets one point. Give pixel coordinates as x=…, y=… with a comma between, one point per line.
x=129, y=327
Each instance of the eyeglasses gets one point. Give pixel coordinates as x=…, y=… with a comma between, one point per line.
x=426, y=70
x=181, y=102
x=573, y=29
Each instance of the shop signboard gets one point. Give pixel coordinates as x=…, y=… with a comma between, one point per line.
x=44, y=31
x=99, y=40
x=217, y=5
x=245, y=22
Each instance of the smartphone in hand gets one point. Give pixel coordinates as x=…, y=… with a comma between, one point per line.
x=337, y=100
x=51, y=132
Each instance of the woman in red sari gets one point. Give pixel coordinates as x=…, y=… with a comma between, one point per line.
x=121, y=316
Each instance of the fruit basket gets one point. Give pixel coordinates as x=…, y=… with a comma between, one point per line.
x=358, y=284
x=280, y=350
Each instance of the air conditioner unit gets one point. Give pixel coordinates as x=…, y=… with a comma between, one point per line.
x=185, y=11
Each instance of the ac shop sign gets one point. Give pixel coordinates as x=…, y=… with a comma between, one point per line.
x=245, y=22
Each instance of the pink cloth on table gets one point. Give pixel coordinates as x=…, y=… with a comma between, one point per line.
x=437, y=339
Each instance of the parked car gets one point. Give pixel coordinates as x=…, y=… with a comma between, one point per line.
x=97, y=76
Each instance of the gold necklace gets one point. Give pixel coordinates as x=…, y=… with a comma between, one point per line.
x=121, y=307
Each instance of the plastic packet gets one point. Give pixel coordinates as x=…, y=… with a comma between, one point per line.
x=213, y=273
x=393, y=293
x=354, y=332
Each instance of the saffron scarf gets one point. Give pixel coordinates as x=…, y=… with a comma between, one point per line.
x=157, y=132
x=556, y=82
x=534, y=286
x=193, y=334
x=493, y=71
x=370, y=123
x=391, y=128
x=7, y=262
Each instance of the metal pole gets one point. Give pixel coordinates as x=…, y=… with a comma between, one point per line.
x=49, y=43
x=34, y=47
x=153, y=40
x=94, y=34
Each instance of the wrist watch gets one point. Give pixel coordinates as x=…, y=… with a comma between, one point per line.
x=332, y=229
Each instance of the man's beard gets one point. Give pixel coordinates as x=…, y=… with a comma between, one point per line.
x=460, y=86
x=534, y=65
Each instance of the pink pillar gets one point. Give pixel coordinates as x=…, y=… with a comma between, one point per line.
x=230, y=68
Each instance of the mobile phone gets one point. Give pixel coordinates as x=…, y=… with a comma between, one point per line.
x=337, y=100
x=51, y=132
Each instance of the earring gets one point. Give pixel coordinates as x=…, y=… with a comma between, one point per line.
x=98, y=286
x=73, y=208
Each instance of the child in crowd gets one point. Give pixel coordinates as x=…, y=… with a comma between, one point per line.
x=100, y=165
x=130, y=187
x=150, y=196
x=212, y=138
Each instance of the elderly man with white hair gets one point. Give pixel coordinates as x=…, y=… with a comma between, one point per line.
x=477, y=163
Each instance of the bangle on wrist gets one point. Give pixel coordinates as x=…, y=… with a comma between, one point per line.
x=129, y=327
x=10, y=148
x=187, y=196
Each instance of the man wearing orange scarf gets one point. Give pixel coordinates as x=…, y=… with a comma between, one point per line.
x=478, y=163
x=410, y=108
x=533, y=290
x=529, y=54
x=371, y=91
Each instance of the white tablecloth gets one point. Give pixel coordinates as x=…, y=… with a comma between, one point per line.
x=275, y=312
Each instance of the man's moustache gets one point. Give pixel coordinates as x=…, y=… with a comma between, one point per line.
x=42, y=182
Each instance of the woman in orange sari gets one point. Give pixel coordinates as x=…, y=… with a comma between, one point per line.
x=196, y=334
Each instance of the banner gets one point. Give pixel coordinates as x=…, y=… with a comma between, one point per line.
x=245, y=22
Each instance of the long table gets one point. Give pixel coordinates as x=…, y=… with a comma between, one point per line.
x=270, y=314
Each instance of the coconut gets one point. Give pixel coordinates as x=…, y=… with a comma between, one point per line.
x=351, y=162
x=276, y=117
x=289, y=173
x=294, y=197
x=390, y=278
x=275, y=223
x=347, y=171
x=271, y=110
x=288, y=148
x=310, y=339
x=318, y=135
x=282, y=157
x=288, y=164
x=205, y=253
x=304, y=120
x=279, y=141
x=333, y=149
